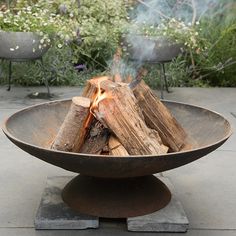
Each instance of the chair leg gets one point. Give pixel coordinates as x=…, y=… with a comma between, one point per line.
x=45, y=77
x=164, y=76
x=9, y=75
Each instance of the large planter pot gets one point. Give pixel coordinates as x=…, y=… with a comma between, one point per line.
x=21, y=46
x=152, y=49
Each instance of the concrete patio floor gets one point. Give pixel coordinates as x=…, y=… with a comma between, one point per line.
x=206, y=188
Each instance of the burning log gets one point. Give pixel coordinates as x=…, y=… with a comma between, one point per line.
x=73, y=130
x=116, y=148
x=159, y=118
x=119, y=111
x=92, y=87
x=98, y=136
x=96, y=139
x=141, y=73
x=139, y=122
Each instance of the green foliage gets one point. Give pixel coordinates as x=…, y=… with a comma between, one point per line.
x=179, y=73
x=211, y=60
x=57, y=67
x=88, y=30
x=217, y=65
x=35, y=16
x=100, y=26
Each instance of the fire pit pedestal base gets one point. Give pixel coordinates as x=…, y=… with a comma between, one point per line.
x=53, y=213
x=116, y=198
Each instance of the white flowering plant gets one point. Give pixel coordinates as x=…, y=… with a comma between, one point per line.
x=176, y=30
x=88, y=31
x=26, y=16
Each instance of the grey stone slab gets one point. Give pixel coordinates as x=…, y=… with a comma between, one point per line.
x=172, y=218
x=107, y=232
x=53, y=213
x=207, y=190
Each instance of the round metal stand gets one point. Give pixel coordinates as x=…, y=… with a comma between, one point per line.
x=162, y=77
x=11, y=60
x=116, y=198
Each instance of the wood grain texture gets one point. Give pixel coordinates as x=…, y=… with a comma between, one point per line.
x=72, y=133
x=159, y=118
x=121, y=114
x=116, y=148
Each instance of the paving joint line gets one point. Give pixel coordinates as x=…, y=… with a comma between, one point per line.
x=212, y=229
x=233, y=114
x=189, y=229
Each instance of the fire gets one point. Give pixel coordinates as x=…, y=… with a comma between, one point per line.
x=100, y=95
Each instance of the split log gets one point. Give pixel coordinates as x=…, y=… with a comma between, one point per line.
x=120, y=113
x=97, y=136
x=116, y=148
x=159, y=118
x=138, y=78
x=91, y=88
x=96, y=139
x=72, y=133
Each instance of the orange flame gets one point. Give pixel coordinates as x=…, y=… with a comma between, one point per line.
x=100, y=95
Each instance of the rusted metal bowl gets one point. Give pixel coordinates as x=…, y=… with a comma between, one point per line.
x=20, y=46
x=33, y=129
x=152, y=49
x=127, y=187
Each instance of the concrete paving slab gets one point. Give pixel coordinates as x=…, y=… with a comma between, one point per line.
x=207, y=191
x=171, y=218
x=22, y=179
x=218, y=99
x=53, y=213
x=108, y=232
x=205, y=187
x=17, y=97
x=4, y=114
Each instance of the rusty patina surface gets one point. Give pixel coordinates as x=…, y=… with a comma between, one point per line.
x=113, y=186
x=116, y=198
x=34, y=128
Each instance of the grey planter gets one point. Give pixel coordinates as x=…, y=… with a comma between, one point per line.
x=152, y=49
x=18, y=46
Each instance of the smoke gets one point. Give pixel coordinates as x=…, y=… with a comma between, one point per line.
x=123, y=68
x=154, y=13
x=141, y=48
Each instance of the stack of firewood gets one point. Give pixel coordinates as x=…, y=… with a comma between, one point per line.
x=117, y=117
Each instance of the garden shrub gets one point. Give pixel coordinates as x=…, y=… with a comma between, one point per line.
x=94, y=28
x=215, y=65
x=90, y=36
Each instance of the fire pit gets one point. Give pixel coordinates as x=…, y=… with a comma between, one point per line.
x=111, y=186
x=152, y=50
